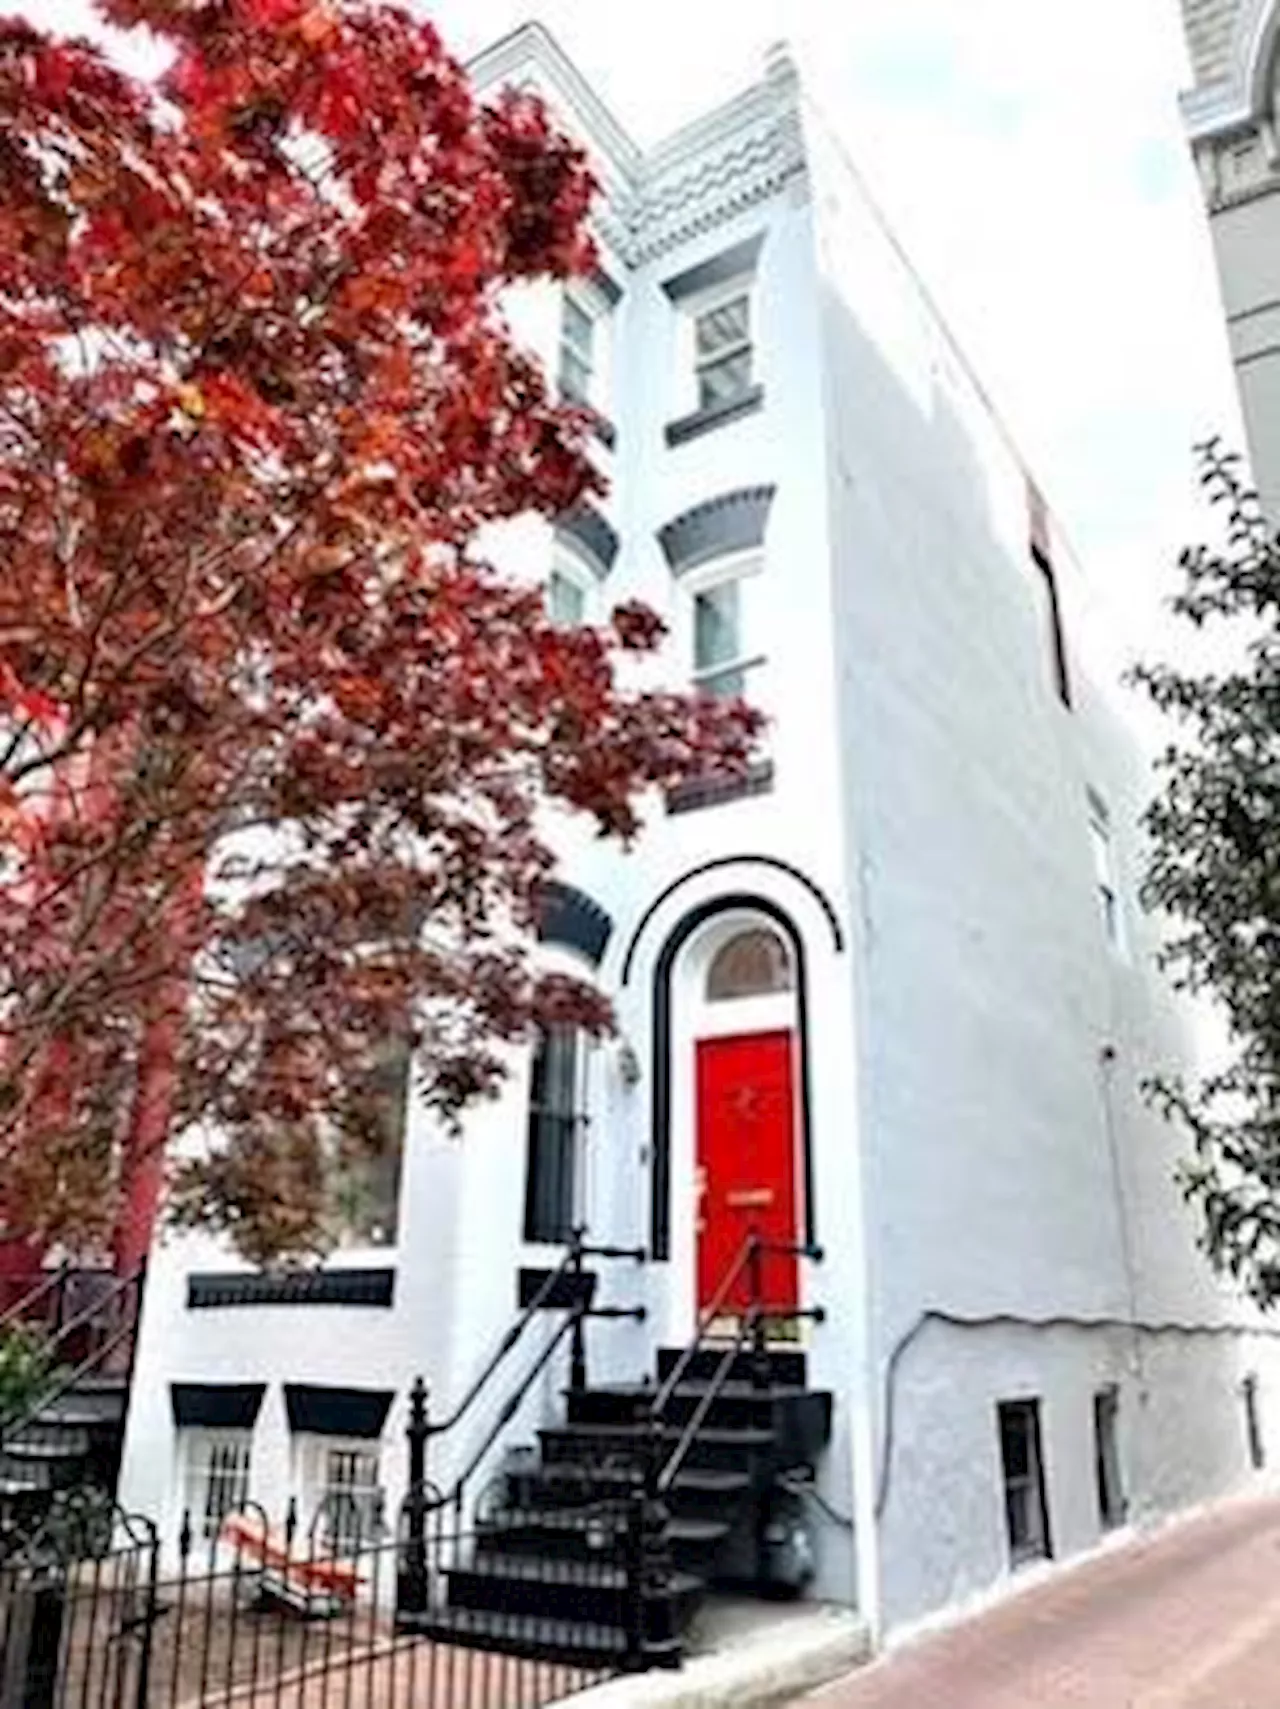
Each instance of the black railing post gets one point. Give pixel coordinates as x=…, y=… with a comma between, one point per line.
x=760, y=1370
x=60, y=1296
x=578, y=1355
x=413, y=1598
x=653, y=1632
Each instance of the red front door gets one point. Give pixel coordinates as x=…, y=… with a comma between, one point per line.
x=746, y=1163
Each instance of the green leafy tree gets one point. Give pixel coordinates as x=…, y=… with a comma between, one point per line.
x=1215, y=871
x=25, y=1368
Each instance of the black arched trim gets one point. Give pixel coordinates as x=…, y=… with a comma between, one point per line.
x=594, y=537
x=571, y=918
x=717, y=865
x=660, y=1208
x=733, y=522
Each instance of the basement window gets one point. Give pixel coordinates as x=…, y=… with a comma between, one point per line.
x=1022, y=1460
x=216, y=1465
x=1112, y=1507
x=1253, y=1422
x=346, y=1490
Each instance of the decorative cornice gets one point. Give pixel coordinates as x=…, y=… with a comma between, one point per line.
x=313, y=1410
x=291, y=1288
x=1243, y=98
x=216, y=1406
x=708, y=172
x=575, y=921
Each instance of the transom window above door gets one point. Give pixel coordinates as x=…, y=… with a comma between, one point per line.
x=754, y=963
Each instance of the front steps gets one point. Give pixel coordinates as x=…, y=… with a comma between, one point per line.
x=69, y=1448
x=545, y=1568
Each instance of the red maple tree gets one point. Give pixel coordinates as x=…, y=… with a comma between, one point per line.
x=275, y=736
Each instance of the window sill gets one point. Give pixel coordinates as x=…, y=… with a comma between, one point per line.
x=716, y=791
x=704, y=420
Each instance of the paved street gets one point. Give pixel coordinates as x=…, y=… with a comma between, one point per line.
x=1186, y=1620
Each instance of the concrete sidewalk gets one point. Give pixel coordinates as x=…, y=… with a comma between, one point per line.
x=1188, y=1618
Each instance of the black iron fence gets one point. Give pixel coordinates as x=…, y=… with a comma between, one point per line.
x=258, y=1615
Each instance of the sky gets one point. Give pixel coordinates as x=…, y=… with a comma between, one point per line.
x=1031, y=159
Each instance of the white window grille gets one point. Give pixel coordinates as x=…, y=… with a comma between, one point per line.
x=216, y=1477
x=348, y=1493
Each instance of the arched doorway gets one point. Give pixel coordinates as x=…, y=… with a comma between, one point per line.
x=737, y=1018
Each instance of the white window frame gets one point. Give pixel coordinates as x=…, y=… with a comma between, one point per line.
x=1106, y=882
x=565, y=564
x=571, y=302
x=322, y=1497
x=695, y=308
x=590, y=301
x=211, y=1456
x=744, y=568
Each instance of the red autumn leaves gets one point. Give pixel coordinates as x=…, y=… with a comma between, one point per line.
x=275, y=740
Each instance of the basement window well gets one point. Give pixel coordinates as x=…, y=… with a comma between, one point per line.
x=1022, y=1460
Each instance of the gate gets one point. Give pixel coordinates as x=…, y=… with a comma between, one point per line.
x=77, y=1611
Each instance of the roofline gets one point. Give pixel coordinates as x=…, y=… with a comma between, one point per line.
x=534, y=42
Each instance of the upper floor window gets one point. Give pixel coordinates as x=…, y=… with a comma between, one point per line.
x=557, y=1100
x=1104, y=872
x=724, y=654
x=365, y=1177
x=566, y=600
x=717, y=307
x=723, y=354
x=577, y=351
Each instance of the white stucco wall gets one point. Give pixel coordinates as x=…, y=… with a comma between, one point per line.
x=1013, y=1171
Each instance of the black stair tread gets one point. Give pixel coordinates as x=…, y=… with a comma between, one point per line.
x=535, y=1633
x=555, y=1570
x=71, y=1420
x=695, y=1480
x=41, y=1448
x=581, y=1519
x=21, y=1486
x=694, y=1388
x=728, y=1434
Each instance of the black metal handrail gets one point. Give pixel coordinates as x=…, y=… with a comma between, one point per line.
x=511, y=1340
x=67, y=1378
x=423, y=1431
x=751, y=1325
x=676, y=1459
x=43, y=1284
x=706, y=1318
x=510, y=1407
x=17, y=1310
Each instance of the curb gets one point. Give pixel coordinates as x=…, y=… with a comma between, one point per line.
x=770, y=1667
